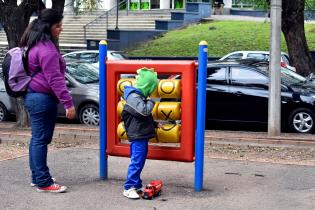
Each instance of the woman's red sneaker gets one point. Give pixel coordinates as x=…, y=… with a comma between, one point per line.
x=55, y=188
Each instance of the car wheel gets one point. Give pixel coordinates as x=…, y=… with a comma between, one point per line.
x=89, y=115
x=3, y=113
x=302, y=120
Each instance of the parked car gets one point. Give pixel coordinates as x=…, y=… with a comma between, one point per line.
x=237, y=91
x=7, y=105
x=258, y=55
x=92, y=56
x=82, y=81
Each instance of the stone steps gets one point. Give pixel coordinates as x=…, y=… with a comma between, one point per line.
x=72, y=37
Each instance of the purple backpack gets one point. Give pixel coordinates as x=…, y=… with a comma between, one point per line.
x=15, y=73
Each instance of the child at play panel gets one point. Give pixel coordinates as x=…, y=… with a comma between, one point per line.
x=139, y=125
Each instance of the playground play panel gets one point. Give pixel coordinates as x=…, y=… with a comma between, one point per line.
x=177, y=117
x=183, y=116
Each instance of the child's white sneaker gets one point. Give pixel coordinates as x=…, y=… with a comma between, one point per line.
x=131, y=193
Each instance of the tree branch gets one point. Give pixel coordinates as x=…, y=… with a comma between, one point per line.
x=1, y=7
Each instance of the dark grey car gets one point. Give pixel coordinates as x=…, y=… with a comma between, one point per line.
x=82, y=82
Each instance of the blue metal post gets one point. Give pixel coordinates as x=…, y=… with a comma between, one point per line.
x=102, y=109
x=201, y=110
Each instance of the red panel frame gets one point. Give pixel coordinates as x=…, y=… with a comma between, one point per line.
x=187, y=69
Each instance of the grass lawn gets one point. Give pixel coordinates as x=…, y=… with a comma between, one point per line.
x=222, y=37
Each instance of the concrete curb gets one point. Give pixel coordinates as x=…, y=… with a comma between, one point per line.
x=80, y=134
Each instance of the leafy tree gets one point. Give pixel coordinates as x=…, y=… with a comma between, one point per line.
x=85, y=5
x=292, y=26
x=15, y=18
x=293, y=29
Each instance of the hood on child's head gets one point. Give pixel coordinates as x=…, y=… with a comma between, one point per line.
x=146, y=81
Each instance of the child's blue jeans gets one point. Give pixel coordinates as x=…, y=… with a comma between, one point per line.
x=138, y=155
x=42, y=109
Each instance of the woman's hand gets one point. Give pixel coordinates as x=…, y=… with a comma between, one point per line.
x=70, y=113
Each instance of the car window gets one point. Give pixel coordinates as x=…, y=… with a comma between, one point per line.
x=117, y=56
x=216, y=75
x=89, y=57
x=2, y=88
x=83, y=73
x=257, y=56
x=234, y=56
x=72, y=56
x=248, y=77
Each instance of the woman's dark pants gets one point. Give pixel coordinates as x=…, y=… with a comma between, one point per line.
x=42, y=109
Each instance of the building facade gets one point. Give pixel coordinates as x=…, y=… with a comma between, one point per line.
x=148, y=4
x=141, y=4
x=158, y=4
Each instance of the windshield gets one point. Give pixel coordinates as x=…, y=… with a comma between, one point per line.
x=83, y=73
x=117, y=56
x=290, y=77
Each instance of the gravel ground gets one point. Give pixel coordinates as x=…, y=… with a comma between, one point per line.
x=273, y=154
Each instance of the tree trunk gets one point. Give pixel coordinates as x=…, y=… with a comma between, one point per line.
x=13, y=25
x=294, y=33
x=22, y=117
x=58, y=5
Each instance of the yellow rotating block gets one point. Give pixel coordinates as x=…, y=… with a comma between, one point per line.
x=121, y=133
x=169, y=111
x=153, y=140
x=169, y=133
x=155, y=110
x=155, y=94
x=170, y=88
x=124, y=82
x=120, y=107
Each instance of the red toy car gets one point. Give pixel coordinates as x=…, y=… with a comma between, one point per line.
x=153, y=189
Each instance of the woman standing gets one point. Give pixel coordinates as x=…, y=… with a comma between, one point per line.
x=46, y=89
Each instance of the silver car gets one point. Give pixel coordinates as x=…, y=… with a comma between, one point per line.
x=7, y=104
x=92, y=56
x=258, y=55
x=82, y=81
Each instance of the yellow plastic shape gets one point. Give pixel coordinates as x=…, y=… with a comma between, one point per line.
x=103, y=42
x=169, y=133
x=120, y=107
x=124, y=82
x=153, y=140
x=169, y=111
x=155, y=110
x=169, y=88
x=155, y=94
x=121, y=132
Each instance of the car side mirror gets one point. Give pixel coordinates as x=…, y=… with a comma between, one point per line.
x=310, y=76
x=284, y=88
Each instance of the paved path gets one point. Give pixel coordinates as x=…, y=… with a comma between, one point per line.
x=227, y=184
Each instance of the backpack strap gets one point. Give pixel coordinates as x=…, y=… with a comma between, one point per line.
x=25, y=62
